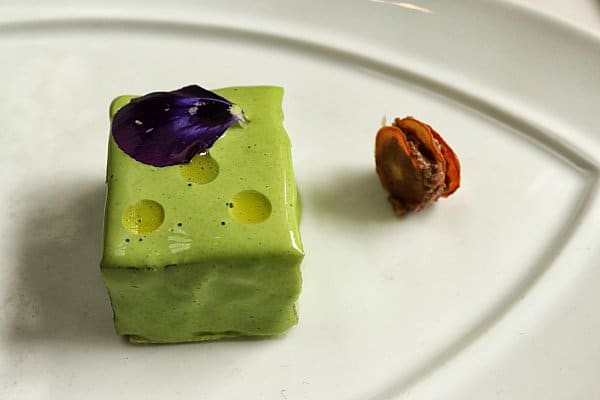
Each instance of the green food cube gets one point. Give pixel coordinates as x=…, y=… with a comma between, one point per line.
x=209, y=249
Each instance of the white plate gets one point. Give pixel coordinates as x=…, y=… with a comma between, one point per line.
x=490, y=293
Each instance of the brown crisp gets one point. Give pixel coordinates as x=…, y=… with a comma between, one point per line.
x=415, y=165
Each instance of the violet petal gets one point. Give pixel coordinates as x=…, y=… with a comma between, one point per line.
x=169, y=128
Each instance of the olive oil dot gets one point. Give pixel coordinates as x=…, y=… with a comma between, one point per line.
x=127, y=240
x=180, y=224
x=140, y=239
x=143, y=217
x=251, y=207
x=222, y=222
x=201, y=169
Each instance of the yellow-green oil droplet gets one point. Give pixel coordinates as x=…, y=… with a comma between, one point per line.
x=250, y=207
x=201, y=169
x=143, y=217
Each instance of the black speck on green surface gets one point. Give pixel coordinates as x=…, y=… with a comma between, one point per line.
x=140, y=239
x=139, y=220
x=189, y=184
x=127, y=240
x=222, y=222
x=180, y=224
x=230, y=205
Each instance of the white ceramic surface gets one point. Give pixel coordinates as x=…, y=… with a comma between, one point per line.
x=490, y=294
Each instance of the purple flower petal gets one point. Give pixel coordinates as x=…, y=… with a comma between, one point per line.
x=169, y=128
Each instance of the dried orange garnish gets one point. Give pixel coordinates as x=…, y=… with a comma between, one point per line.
x=415, y=165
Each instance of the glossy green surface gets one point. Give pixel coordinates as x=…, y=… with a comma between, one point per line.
x=203, y=274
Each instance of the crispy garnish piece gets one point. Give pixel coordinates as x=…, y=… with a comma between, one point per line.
x=415, y=165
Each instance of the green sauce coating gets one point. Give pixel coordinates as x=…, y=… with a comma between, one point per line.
x=204, y=272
